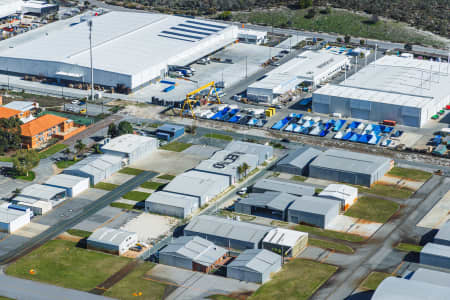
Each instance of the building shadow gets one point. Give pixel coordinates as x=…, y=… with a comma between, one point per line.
x=428, y=237
x=367, y=295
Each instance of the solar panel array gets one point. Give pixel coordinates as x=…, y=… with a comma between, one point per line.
x=191, y=31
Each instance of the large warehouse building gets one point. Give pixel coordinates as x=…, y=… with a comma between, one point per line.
x=315, y=211
x=74, y=185
x=111, y=240
x=408, y=91
x=12, y=219
x=96, y=167
x=310, y=67
x=282, y=186
x=171, y=204
x=350, y=167
x=297, y=161
x=394, y=288
x=129, y=49
x=131, y=147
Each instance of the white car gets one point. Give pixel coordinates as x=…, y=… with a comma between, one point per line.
x=75, y=102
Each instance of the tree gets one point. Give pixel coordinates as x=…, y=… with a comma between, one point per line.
x=408, y=47
x=10, y=134
x=25, y=160
x=302, y=4
x=374, y=19
x=226, y=15
x=112, y=130
x=97, y=149
x=339, y=39
x=347, y=39
x=67, y=152
x=240, y=171
x=362, y=42
x=311, y=13
x=125, y=128
x=245, y=168
x=80, y=146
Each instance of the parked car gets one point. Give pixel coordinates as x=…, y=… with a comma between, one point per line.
x=75, y=102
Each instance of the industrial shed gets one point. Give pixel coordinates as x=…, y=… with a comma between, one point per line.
x=131, y=147
x=171, y=204
x=282, y=186
x=313, y=210
x=36, y=192
x=192, y=253
x=350, y=167
x=431, y=276
x=74, y=185
x=201, y=185
x=38, y=207
x=10, y=7
x=227, y=233
x=345, y=194
x=408, y=91
x=268, y=204
x=393, y=288
x=435, y=255
x=114, y=241
x=263, y=152
x=121, y=53
x=12, y=220
x=254, y=265
x=169, y=132
x=443, y=235
x=288, y=243
x=226, y=163
x=96, y=167
x=297, y=162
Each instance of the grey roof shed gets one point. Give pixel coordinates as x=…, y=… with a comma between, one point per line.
x=435, y=255
x=393, y=288
x=297, y=162
x=443, y=235
x=131, y=146
x=272, y=204
x=264, y=152
x=316, y=211
x=431, y=276
x=111, y=240
x=96, y=167
x=171, y=204
x=284, y=186
x=255, y=265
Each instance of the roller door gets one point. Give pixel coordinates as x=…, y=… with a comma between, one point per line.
x=411, y=116
x=360, y=109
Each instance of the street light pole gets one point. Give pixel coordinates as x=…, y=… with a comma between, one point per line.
x=90, y=23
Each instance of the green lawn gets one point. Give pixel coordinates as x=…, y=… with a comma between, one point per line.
x=62, y=164
x=60, y=263
x=318, y=190
x=176, y=146
x=30, y=177
x=373, y=280
x=166, y=177
x=51, y=150
x=122, y=205
x=330, y=233
x=408, y=247
x=79, y=232
x=131, y=171
x=136, y=196
x=387, y=191
x=219, y=136
x=411, y=174
x=329, y=245
x=152, y=185
x=299, y=178
x=373, y=209
x=5, y=159
x=106, y=186
x=298, y=279
x=134, y=283
x=5, y=298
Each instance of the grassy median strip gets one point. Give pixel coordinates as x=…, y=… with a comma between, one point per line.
x=332, y=246
x=387, y=190
x=106, y=186
x=299, y=178
x=373, y=209
x=330, y=233
x=122, y=205
x=61, y=263
x=411, y=174
x=51, y=150
x=219, y=136
x=79, y=232
x=131, y=171
x=408, y=247
x=135, y=286
x=298, y=279
x=62, y=164
x=373, y=280
x=152, y=185
x=166, y=177
x=136, y=196
x=176, y=146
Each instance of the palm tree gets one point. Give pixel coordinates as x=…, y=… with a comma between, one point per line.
x=80, y=146
x=67, y=153
x=240, y=171
x=245, y=168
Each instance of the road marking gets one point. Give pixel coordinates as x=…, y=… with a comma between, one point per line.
x=110, y=220
x=326, y=257
x=397, y=269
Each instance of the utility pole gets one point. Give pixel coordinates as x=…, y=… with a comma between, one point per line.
x=90, y=24
x=246, y=67
x=375, y=61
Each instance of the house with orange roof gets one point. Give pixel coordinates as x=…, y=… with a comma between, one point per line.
x=38, y=132
x=6, y=113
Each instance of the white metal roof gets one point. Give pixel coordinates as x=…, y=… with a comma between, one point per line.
x=110, y=236
x=431, y=276
x=340, y=191
x=227, y=162
x=436, y=249
x=393, y=288
x=194, y=183
x=127, y=143
x=284, y=237
x=9, y=7
x=258, y=260
x=65, y=180
x=9, y=215
x=21, y=105
x=172, y=199
x=36, y=192
x=444, y=232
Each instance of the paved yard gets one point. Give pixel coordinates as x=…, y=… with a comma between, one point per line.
x=438, y=215
x=119, y=178
x=149, y=226
x=108, y=216
x=353, y=225
x=168, y=162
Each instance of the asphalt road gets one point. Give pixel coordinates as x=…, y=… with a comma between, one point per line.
x=87, y=211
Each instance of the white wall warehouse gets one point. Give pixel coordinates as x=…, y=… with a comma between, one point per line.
x=96, y=167
x=74, y=185
x=408, y=91
x=132, y=147
x=111, y=240
x=171, y=204
x=12, y=220
x=128, y=48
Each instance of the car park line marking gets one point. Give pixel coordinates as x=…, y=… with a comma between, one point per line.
x=110, y=220
x=397, y=269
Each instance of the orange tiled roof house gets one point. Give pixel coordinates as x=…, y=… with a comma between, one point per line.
x=37, y=133
x=6, y=113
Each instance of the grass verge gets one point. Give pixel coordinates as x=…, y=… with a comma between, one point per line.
x=136, y=196
x=131, y=171
x=299, y=178
x=106, y=186
x=176, y=146
x=411, y=174
x=373, y=209
x=60, y=263
x=330, y=233
x=408, y=247
x=166, y=177
x=152, y=185
x=298, y=279
x=387, y=191
x=31, y=176
x=51, y=150
x=122, y=205
x=134, y=283
x=219, y=136
x=62, y=164
x=333, y=246
x=373, y=280
x=5, y=159
x=79, y=232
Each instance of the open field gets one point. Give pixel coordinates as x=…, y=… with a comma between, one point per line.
x=106, y=186
x=61, y=263
x=51, y=150
x=132, y=285
x=79, y=232
x=298, y=279
x=219, y=136
x=387, y=191
x=131, y=171
x=373, y=280
x=340, y=22
x=176, y=146
x=373, y=209
x=411, y=174
x=408, y=247
x=136, y=196
x=329, y=245
x=152, y=185
x=329, y=233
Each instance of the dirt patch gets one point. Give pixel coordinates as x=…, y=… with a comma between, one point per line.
x=116, y=277
x=69, y=237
